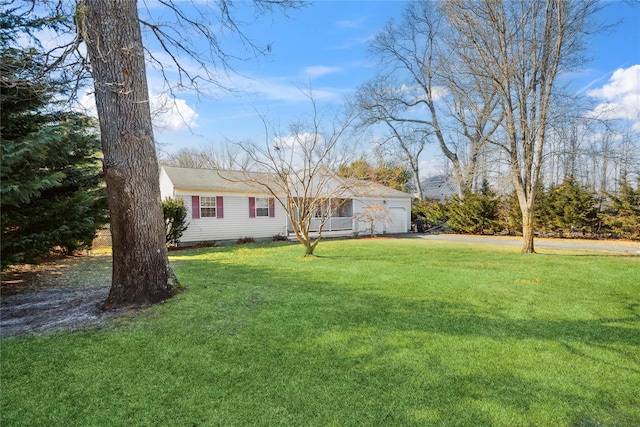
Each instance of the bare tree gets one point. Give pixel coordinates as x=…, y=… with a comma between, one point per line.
x=521, y=47
x=111, y=32
x=296, y=168
x=472, y=110
x=226, y=156
x=187, y=158
x=425, y=85
x=373, y=214
x=375, y=102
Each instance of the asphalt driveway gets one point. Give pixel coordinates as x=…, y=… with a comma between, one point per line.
x=624, y=246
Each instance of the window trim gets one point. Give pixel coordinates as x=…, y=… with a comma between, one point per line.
x=217, y=204
x=253, y=207
x=208, y=202
x=261, y=204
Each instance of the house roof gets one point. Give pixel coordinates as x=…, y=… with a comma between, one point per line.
x=211, y=179
x=241, y=181
x=363, y=188
x=438, y=187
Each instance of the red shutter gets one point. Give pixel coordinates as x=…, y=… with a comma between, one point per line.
x=195, y=207
x=252, y=207
x=272, y=207
x=219, y=207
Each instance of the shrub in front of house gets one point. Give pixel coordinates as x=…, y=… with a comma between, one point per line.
x=175, y=214
x=246, y=239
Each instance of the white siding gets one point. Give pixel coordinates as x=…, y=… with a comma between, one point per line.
x=166, y=186
x=236, y=222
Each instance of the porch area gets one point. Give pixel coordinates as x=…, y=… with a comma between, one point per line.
x=337, y=217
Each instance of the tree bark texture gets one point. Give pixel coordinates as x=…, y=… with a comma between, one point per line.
x=527, y=230
x=141, y=270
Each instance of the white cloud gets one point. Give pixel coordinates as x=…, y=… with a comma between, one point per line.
x=167, y=113
x=320, y=70
x=432, y=166
x=297, y=141
x=437, y=92
x=171, y=114
x=352, y=23
x=620, y=96
x=87, y=103
x=229, y=83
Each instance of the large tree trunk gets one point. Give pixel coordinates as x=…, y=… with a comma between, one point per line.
x=141, y=271
x=527, y=231
x=526, y=200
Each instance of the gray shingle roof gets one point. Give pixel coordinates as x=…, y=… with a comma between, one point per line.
x=240, y=181
x=211, y=179
x=363, y=188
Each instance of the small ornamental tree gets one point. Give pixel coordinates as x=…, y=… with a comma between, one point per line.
x=373, y=214
x=175, y=214
x=295, y=168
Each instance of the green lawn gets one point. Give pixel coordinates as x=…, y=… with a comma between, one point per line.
x=378, y=332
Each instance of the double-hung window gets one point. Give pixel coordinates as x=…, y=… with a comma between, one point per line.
x=262, y=207
x=207, y=207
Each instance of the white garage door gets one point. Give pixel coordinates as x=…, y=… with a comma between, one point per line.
x=398, y=222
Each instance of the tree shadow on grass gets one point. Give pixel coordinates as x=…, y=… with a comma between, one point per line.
x=335, y=330
x=429, y=315
x=373, y=340
x=455, y=319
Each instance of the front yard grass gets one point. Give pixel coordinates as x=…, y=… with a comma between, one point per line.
x=376, y=332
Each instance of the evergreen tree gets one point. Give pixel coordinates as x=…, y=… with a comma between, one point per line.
x=435, y=213
x=623, y=216
x=51, y=184
x=476, y=213
x=567, y=208
x=510, y=212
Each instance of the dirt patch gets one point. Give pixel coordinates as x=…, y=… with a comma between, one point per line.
x=63, y=294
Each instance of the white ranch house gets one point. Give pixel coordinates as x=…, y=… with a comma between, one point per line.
x=222, y=205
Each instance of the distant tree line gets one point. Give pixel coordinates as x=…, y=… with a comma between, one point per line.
x=564, y=210
x=483, y=81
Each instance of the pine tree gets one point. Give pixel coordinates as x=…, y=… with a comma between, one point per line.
x=567, y=208
x=476, y=213
x=51, y=184
x=623, y=216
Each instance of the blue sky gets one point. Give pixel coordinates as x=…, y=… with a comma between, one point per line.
x=324, y=47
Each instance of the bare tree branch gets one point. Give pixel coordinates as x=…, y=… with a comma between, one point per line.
x=297, y=169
